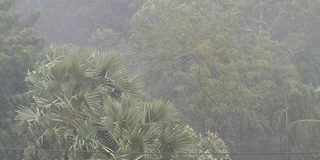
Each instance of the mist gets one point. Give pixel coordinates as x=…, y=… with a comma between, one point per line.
x=160, y=79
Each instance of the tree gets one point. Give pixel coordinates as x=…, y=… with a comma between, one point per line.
x=85, y=104
x=105, y=39
x=185, y=60
x=290, y=25
x=17, y=47
x=226, y=67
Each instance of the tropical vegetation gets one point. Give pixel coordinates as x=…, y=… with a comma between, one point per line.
x=159, y=79
x=85, y=104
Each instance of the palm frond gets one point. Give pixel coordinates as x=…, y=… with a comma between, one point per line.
x=161, y=111
x=27, y=114
x=85, y=129
x=115, y=75
x=144, y=143
x=123, y=113
x=28, y=152
x=175, y=138
x=310, y=121
x=307, y=128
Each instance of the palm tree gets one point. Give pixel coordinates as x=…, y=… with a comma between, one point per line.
x=85, y=106
x=296, y=102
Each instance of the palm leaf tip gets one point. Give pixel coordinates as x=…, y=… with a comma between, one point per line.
x=27, y=114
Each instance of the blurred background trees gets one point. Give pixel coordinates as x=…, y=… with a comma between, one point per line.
x=246, y=69
x=18, y=47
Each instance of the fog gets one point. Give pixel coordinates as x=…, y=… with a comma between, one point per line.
x=160, y=79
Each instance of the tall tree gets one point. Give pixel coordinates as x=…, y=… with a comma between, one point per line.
x=17, y=46
x=225, y=65
x=290, y=25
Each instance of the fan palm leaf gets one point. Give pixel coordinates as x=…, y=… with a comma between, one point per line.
x=28, y=115
x=175, y=139
x=161, y=111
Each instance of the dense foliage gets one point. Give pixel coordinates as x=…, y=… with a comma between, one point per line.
x=85, y=104
x=17, y=46
x=233, y=66
x=245, y=69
